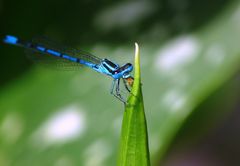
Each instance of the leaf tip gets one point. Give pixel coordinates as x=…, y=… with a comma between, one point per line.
x=137, y=62
x=136, y=53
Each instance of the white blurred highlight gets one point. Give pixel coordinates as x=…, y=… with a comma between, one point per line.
x=116, y=127
x=11, y=128
x=177, y=53
x=97, y=153
x=124, y=14
x=215, y=54
x=174, y=100
x=65, y=125
x=64, y=161
x=236, y=17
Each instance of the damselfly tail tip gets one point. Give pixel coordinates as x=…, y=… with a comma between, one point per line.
x=130, y=81
x=10, y=39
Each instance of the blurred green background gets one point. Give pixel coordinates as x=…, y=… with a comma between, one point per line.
x=190, y=59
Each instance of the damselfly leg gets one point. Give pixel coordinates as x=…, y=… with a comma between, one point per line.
x=126, y=85
x=116, y=92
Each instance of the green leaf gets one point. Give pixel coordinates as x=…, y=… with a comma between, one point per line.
x=172, y=91
x=134, y=138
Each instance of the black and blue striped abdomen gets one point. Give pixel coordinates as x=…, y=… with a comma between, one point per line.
x=49, y=53
x=44, y=51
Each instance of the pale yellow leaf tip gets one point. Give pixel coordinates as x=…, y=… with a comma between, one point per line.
x=136, y=52
x=136, y=66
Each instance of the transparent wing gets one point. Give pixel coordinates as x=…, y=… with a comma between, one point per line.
x=58, y=62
